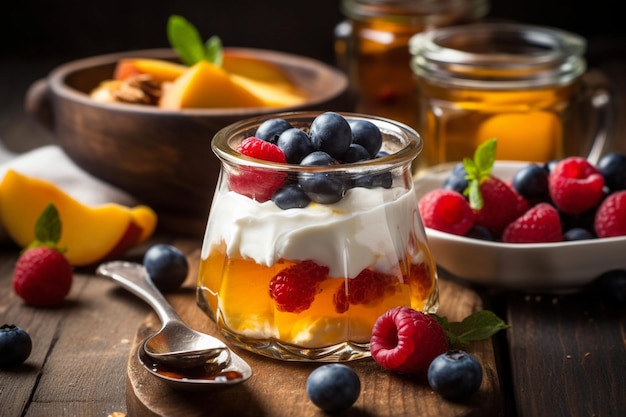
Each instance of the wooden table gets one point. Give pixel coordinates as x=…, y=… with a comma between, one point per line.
x=565, y=355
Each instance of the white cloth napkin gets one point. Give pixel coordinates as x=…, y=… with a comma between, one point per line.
x=51, y=164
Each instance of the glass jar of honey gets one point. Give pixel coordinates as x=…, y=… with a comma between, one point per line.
x=372, y=46
x=524, y=85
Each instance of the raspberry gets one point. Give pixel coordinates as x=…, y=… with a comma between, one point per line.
x=257, y=183
x=42, y=277
x=575, y=185
x=366, y=288
x=406, y=340
x=294, y=288
x=500, y=207
x=539, y=224
x=610, y=219
x=447, y=211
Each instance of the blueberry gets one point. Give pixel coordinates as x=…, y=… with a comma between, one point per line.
x=330, y=132
x=270, y=129
x=531, y=182
x=577, y=233
x=295, y=144
x=456, y=180
x=455, y=375
x=481, y=233
x=167, y=266
x=333, y=387
x=322, y=187
x=366, y=134
x=613, y=169
x=15, y=346
x=318, y=158
x=612, y=286
x=290, y=196
x=355, y=153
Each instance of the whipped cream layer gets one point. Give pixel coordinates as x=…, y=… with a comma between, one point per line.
x=347, y=237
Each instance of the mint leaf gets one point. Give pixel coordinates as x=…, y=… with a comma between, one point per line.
x=479, y=169
x=187, y=42
x=213, y=50
x=477, y=326
x=48, y=225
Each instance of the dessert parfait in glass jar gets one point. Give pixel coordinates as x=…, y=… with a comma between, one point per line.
x=310, y=238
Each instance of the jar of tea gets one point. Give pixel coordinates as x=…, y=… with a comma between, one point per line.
x=526, y=86
x=372, y=46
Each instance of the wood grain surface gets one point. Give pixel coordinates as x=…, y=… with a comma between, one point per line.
x=277, y=388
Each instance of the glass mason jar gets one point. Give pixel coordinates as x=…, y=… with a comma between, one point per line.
x=340, y=265
x=524, y=85
x=372, y=47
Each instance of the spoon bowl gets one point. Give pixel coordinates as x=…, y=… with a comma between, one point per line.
x=176, y=353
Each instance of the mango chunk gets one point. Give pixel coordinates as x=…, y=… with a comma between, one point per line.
x=206, y=85
x=160, y=70
x=89, y=234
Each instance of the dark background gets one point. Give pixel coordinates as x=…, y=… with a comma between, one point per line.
x=37, y=35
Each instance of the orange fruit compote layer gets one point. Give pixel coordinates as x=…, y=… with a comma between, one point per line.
x=236, y=293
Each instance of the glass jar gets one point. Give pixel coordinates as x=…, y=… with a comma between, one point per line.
x=524, y=85
x=340, y=265
x=372, y=46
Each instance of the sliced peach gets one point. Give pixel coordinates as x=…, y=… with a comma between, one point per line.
x=272, y=95
x=160, y=70
x=90, y=234
x=205, y=85
x=239, y=63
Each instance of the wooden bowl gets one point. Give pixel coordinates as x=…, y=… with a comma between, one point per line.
x=161, y=157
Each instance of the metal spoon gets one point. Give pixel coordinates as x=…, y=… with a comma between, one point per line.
x=176, y=345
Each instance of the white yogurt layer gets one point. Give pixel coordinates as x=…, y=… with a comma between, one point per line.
x=347, y=237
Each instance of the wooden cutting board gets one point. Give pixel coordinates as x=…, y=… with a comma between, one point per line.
x=277, y=389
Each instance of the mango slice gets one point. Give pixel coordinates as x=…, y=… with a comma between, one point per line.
x=90, y=234
x=160, y=70
x=206, y=85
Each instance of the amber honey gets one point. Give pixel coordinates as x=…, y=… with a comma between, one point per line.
x=523, y=85
x=373, y=48
x=235, y=293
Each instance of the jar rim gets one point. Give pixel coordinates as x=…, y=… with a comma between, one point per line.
x=408, y=143
x=494, y=52
x=411, y=10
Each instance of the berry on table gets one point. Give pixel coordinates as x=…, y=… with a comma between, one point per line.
x=43, y=276
x=455, y=375
x=406, y=340
x=333, y=387
x=167, y=266
x=447, y=211
x=15, y=346
x=538, y=225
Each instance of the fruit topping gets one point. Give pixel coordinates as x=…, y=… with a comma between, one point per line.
x=295, y=144
x=257, y=183
x=610, y=219
x=330, y=132
x=539, y=224
x=43, y=276
x=271, y=129
x=367, y=135
x=167, y=266
x=294, y=288
x=455, y=375
x=447, y=211
x=407, y=340
x=333, y=387
x=15, y=346
x=575, y=185
x=290, y=196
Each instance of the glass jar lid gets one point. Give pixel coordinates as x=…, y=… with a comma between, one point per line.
x=498, y=56
x=415, y=11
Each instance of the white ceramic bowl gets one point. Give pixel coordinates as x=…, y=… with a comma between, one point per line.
x=549, y=267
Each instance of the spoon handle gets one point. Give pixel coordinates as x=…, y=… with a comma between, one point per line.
x=134, y=278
